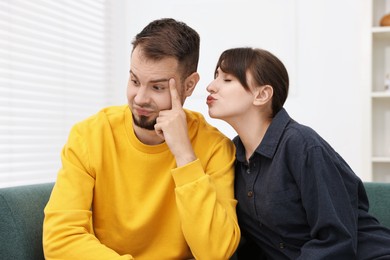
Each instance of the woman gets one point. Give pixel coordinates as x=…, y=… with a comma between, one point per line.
x=297, y=198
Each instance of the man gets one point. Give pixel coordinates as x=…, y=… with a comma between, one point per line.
x=148, y=180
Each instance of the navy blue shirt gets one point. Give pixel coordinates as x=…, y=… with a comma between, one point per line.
x=298, y=199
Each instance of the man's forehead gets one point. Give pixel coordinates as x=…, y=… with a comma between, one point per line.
x=159, y=73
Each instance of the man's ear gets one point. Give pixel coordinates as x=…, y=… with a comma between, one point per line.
x=190, y=83
x=263, y=95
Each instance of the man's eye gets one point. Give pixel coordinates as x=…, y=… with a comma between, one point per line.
x=135, y=82
x=158, y=88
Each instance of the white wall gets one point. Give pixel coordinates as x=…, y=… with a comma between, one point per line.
x=319, y=42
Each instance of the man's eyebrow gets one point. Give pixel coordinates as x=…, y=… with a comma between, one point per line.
x=159, y=80
x=152, y=81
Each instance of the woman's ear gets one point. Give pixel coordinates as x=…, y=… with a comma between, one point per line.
x=263, y=95
x=190, y=83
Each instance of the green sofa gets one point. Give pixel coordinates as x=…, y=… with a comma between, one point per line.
x=379, y=197
x=21, y=217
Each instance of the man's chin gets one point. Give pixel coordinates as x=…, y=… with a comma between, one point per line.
x=144, y=122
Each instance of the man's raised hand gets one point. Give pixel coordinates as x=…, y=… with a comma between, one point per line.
x=171, y=125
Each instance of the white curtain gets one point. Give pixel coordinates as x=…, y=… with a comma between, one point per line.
x=55, y=64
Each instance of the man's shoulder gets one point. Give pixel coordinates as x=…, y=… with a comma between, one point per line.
x=200, y=127
x=113, y=110
x=194, y=115
x=196, y=120
x=108, y=114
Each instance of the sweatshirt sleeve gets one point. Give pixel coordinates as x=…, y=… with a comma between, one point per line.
x=67, y=227
x=206, y=204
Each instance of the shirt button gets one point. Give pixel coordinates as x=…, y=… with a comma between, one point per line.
x=281, y=245
x=248, y=171
x=250, y=194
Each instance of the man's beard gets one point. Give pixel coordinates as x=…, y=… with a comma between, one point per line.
x=144, y=122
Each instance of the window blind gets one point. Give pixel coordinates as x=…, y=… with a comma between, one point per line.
x=54, y=71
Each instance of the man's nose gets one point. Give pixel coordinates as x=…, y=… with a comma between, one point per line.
x=142, y=96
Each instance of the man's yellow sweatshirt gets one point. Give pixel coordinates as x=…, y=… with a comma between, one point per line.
x=117, y=198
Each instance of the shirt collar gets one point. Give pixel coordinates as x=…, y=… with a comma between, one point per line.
x=271, y=139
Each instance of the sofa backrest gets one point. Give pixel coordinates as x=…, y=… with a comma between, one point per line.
x=379, y=197
x=21, y=219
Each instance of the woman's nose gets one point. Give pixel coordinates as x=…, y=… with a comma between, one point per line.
x=210, y=88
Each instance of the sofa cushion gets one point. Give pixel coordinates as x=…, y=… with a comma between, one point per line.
x=21, y=220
